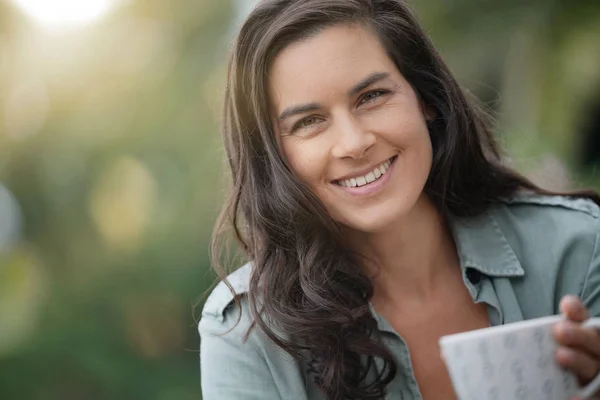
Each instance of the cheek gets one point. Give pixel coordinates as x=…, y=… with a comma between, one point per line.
x=307, y=160
x=403, y=130
x=418, y=142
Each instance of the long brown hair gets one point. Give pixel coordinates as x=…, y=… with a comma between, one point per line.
x=307, y=291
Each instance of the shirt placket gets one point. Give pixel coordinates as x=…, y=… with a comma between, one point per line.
x=404, y=386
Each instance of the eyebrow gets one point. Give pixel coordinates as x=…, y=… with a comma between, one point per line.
x=360, y=86
x=368, y=81
x=301, y=109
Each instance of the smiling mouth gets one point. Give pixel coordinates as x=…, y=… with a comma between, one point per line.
x=370, y=177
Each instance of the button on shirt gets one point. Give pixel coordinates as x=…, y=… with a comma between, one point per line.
x=519, y=258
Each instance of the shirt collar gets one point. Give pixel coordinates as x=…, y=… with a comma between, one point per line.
x=482, y=246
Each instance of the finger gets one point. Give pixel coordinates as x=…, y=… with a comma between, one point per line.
x=573, y=308
x=578, y=362
x=572, y=334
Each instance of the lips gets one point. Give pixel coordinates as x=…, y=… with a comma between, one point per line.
x=371, y=176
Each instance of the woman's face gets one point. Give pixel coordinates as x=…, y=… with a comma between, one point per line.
x=351, y=126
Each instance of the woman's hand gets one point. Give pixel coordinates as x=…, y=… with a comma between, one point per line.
x=579, y=348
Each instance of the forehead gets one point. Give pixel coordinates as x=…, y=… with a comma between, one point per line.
x=326, y=63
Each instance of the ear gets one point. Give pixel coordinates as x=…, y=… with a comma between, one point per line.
x=428, y=111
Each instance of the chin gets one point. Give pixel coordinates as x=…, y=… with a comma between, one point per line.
x=369, y=223
x=379, y=218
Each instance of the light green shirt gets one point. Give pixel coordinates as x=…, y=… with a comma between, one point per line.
x=526, y=253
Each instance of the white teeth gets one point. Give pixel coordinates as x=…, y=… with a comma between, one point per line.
x=368, y=178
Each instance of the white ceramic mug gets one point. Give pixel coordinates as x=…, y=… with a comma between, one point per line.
x=512, y=361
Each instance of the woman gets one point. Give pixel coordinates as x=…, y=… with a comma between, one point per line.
x=371, y=199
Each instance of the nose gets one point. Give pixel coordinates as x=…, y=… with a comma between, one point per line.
x=352, y=140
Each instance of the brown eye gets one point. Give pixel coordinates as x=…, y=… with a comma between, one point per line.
x=371, y=96
x=306, y=123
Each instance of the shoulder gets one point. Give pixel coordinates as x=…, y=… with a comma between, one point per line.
x=529, y=232
x=227, y=332
x=557, y=239
x=225, y=322
x=568, y=206
x=548, y=217
x=222, y=296
x=236, y=361
x=554, y=238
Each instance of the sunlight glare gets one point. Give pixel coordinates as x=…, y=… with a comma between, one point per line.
x=64, y=13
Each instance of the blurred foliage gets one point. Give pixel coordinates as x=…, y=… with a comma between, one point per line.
x=109, y=142
x=536, y=64
x=110, y=171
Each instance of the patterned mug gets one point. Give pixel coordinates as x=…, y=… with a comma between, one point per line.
x=512, y=361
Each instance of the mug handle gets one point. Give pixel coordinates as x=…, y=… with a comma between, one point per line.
x=594, y=386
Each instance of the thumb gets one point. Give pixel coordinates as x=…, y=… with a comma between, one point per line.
x=573, y=308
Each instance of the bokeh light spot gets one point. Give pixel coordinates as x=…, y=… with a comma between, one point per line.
x=63, y=13
x=121, y=202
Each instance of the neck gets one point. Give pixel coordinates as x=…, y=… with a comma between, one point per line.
x=410, y=257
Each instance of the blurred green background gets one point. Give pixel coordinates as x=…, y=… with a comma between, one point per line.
x=111, y=173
